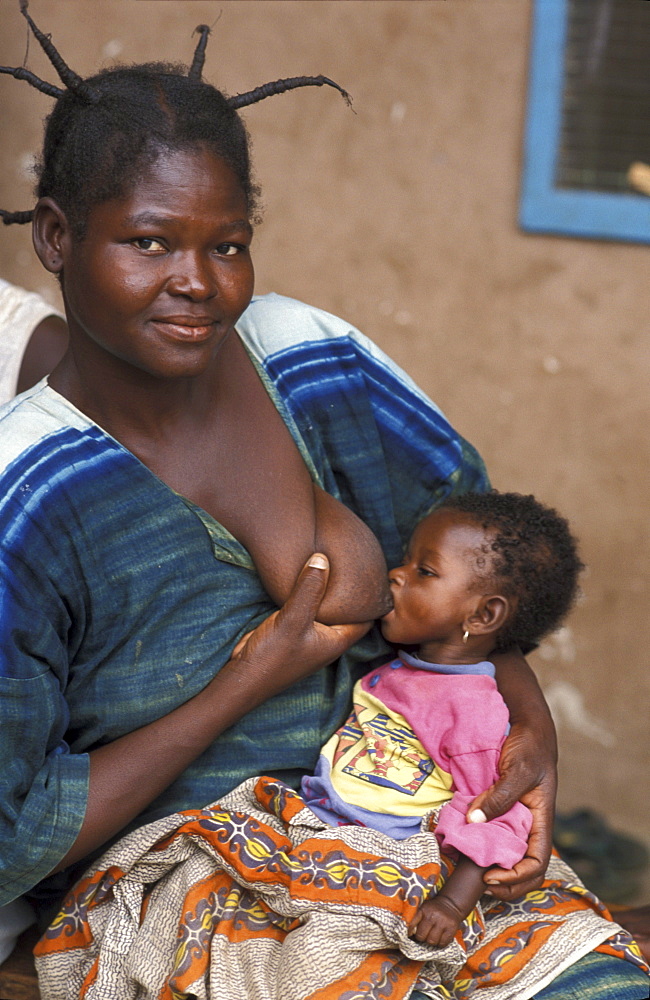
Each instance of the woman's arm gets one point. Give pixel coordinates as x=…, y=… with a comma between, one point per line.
x=528, y=768
x=128, y=774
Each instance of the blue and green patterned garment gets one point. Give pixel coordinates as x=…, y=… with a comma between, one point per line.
x=121, y=600
x=593, y=977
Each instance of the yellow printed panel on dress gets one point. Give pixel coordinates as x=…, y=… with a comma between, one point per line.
x=378, y=763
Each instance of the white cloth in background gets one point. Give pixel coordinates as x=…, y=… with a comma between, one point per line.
x=20, y=312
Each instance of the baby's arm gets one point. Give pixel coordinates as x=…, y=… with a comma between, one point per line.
x=440, y=916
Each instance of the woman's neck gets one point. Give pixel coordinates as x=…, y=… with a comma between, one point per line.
x=128, y=402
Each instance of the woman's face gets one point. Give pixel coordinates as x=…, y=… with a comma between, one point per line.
x=164, y=272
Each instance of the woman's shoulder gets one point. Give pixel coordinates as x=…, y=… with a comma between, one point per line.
x=30, y=420
x=275, y=322
x=275, y=327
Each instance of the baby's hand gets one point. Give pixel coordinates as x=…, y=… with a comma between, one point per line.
x=436, y=922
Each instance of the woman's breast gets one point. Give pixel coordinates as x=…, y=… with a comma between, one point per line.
x=252, y=478
x=358, y=585
x=281, y=534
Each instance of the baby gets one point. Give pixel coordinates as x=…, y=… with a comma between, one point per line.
x=482, y=573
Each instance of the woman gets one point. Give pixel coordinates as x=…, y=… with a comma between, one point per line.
x=164, y=488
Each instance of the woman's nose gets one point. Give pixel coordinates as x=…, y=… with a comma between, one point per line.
x=193, y=277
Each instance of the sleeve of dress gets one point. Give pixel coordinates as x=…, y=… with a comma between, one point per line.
x=502, y=840
x=43, y=786
x=376, y=440
x=461, y=721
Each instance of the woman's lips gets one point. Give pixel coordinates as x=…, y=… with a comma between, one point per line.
x=190, y=329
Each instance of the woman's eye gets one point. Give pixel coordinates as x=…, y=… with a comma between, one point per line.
x=147, y=243
x=229, y=249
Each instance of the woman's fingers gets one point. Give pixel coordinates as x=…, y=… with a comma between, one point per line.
x=308, y=591
x=296, y=615
x=523, y=769
x=525, y=878
x=345, y=635
x=303, y=605
x=528, y=873
x=494, y=801
x=528, y=778
x=290, y=644
x=240, y=645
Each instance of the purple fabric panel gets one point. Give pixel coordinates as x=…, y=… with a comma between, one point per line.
x=322, y=798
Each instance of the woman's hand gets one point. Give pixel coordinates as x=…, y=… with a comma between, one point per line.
x=290, y=644
x=129, y=773
x=529, y=777
x=528, y=773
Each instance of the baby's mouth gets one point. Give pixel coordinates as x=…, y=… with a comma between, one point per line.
x=387, y=604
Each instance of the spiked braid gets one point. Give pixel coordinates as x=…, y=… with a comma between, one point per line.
x=103, y=130
x=67, y=76
x=20, y=217
x=92, y=153
x=20, y=73
x=280, y=86
x=196, y=69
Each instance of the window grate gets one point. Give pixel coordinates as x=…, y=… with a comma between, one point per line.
x=605, y=122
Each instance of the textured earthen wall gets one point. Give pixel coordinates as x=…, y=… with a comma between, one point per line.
x=402, y=218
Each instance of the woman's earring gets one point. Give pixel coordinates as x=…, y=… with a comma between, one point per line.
x=465, y=635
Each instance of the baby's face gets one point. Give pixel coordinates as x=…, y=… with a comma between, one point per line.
x=439, y=583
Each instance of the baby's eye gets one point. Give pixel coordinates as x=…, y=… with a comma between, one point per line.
x=147, y=243
x=423, y=571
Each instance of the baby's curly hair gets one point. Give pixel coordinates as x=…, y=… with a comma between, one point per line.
x=534, y=558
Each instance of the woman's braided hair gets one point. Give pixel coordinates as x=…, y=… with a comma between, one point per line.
x=103, y=129
x=531, y=555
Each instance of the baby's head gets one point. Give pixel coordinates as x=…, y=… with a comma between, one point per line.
x=501, y=567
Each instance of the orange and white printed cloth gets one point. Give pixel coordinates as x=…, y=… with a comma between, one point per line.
x=254, y=898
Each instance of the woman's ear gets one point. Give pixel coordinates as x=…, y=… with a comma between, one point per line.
x=491, y=615
x=50, y=234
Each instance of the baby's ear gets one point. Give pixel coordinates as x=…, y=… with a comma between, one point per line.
x=491, y=615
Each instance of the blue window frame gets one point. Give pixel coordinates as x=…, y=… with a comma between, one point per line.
x=545, y=206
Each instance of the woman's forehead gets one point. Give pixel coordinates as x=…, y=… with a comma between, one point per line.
x=186, y=169
x=180, y=183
